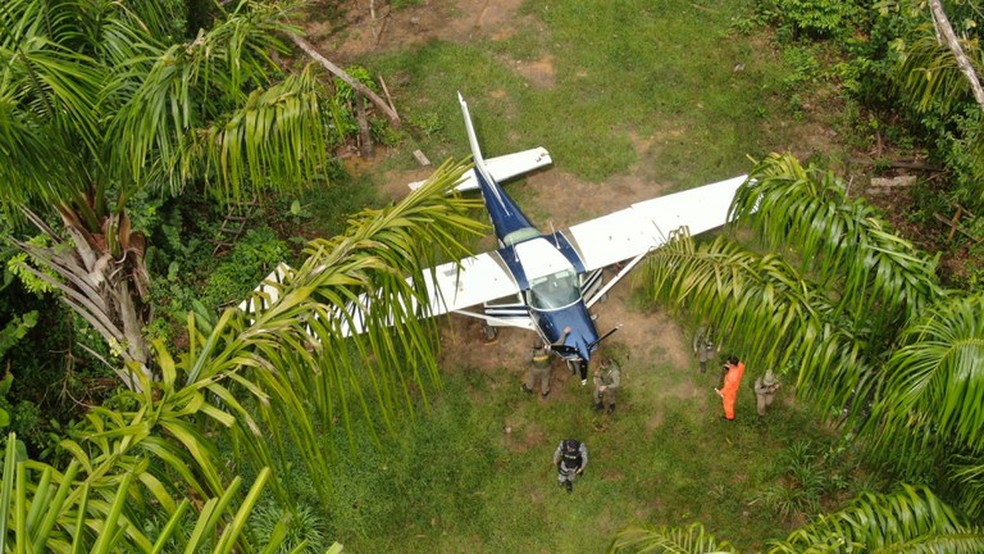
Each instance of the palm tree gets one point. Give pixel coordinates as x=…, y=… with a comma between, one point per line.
x=284, y=375
x=858, y=316
x=100, y=101
x=49, y=511
x=694, y=539
x=911, y=520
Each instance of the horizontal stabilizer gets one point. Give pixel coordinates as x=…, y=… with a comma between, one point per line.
x=503, y=168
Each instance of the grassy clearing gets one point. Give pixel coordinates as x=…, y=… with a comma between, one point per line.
x=671, y=91
x=456, y=481
x=668, y=84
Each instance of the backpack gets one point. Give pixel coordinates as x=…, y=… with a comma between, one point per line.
x=571, y=454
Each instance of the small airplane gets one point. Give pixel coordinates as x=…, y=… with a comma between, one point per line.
x=547, y=283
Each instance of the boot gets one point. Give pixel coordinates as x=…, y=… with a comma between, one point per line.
x=570, y=486
x=611, y=409
x=599, y=407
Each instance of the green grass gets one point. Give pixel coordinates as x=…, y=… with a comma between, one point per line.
x=625, y=72
x=455, y=481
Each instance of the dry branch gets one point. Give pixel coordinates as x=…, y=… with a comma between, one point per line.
x=341, y=74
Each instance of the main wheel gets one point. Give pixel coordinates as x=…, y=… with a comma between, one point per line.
x=490, y=332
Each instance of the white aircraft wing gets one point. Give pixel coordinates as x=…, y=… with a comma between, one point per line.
x=268, y=292
x=479, y=279
x=451, y=288
x=503, y=168
x=641, y=227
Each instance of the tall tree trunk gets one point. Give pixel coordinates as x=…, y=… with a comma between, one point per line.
x=946, y=35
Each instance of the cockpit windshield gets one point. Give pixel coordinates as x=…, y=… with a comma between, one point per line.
x=554, y=291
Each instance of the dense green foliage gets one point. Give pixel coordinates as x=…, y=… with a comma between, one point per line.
x=862, y=323
x=262, y=384
x=109, y=107
x=904, y=98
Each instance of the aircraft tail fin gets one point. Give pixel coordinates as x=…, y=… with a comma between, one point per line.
x=472, y=138
x=476, y=150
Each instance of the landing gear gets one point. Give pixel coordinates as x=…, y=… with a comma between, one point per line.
x=579, y=367
x=490, y=332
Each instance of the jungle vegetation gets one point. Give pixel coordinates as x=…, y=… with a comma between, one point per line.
x=128, y=131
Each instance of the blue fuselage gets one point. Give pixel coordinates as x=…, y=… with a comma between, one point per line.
x=548, y=270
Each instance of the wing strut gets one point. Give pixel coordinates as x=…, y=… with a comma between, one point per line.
x=618, y=277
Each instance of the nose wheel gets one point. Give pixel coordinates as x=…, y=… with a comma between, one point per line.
x=490, y=332
x=579, y=368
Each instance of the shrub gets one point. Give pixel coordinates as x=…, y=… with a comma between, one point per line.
x=255, y=254
x=815, y=19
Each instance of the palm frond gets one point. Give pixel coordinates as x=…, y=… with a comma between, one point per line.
x=118, y=33
x=276, y=138
x=843, y=244
x=155, y=17
x=967, y=474
x=294, y=359
x=927, y=75
x=59, y=512
x=749, y=297
x=57, y=20
x=192, y=102
x=297, y=358
x=935, y=383
x=47, y=99
x=692, y=540
x=912, y=520
x=945, y=350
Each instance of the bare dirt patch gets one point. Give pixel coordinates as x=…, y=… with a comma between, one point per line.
x=540, y=73
x=366, y=26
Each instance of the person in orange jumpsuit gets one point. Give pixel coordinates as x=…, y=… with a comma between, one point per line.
x=732, y=380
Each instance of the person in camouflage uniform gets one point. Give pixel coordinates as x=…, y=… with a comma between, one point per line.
x=607, y=379
x=704, y=346
x=765, y=391
x=539, y=371
x=571, y=457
